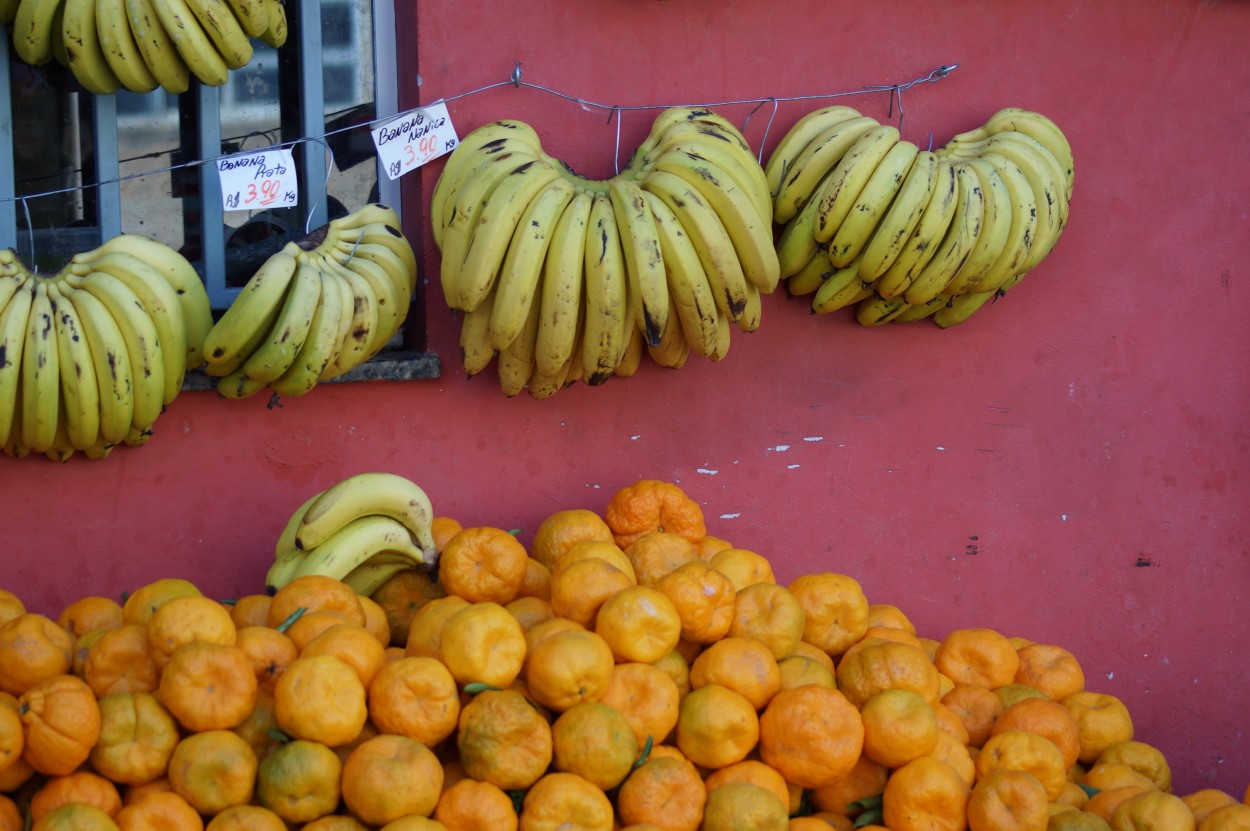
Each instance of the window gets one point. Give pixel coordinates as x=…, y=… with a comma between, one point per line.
x=91, y=167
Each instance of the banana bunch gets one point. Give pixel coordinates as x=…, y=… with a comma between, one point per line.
x=91, y=355
x=315, y=309
x=140, y=45
x=566, y=278
x=871, y=220
x=361, y=530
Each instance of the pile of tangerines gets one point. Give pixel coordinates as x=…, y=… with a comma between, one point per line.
x=628, y=670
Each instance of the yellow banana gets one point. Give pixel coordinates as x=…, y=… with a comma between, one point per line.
x=256, y=303
x=810, y=277
x=83, y=48
x=956, y=245
x=849, y=177
x=111, y=361
x=516, y=360
x=561, y=287
x=41, y=381
x=875, y=198
x=750, y=234
x=80, y=392
x=1042, y=130
x=279, y=348
x=606, y=301
x=960, y=308
x=191, y=41
x=157, y=47
x=644, y=261
x=224, y=30
x=781, y=160
x=711, y=240
x=275, y=24
x=671, y=351
x=365, y=494
x=843, y=287
x=14, y=320
x=321, y=345
x=995, y=226
x=691, y=295
x=804, y=178
x=34, y=32
x=927, y=236
x=355, y=543
x=252, y=15
x=119, y=47
x=900, y=219
x=874, y=310
x=356, y=349
x=1020, y=237
x=517, y=286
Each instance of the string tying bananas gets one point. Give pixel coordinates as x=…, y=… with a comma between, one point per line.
x=565, y=278
x=140, y=45
x=361, y=530
x=90, y=356
x=315, y=309
x=869, y=220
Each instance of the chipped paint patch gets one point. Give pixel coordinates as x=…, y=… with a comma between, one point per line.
x=939, y=447
x=781, y=448
x=634, y=438
x=791, y=467
x=730, y=516
x=1063, y=517
x=813, y=438
x=706, y=471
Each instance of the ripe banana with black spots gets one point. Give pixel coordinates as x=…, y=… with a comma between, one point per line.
x=80, y=391
x=644, y=261
x=191, y=41
x=259, y=298
x=606, y=289
x=797, y=138
x=923, y=242
x=34, y=30
x=83, y=49
x=900, y=219
x=560, y=297
x=355, y=543
x=111, y=360
x=849, y=177
x=14, y=320
x=157, y=48
x=41, y=378
x=280, y=347
x=876, y=196
x=955, y=247
x=275, y=24
x=691, y=296
x=224, y=30
x=805, y=176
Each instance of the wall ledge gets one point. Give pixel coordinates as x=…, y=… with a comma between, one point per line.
x=392, y=365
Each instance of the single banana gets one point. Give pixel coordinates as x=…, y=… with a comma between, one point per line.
x=371, y=575
x=711, y=240
x=876, y=310
x=489, y=140
x=811, y=276
x=476, y=351
x=256, y=303
x=750, y=234
x=496, y=224
x=804, y=178
x=635, y=345
x=111, y=361
x=60, y=450
x=1045, y=177
x=160, y=302
x=275, y=24
x=355, y=543
x=691, y=296
x=34, y=33
x=224, y=30
x=41, y=382
x=197, y=312
x=143, y=345
x=900, y=219
x=914, y=313
x=192, y=42
x=876, y=197
x=237, y=385
x=644, y=261
x=8, y=11
x=384, y=261
x=849, y=177
x=516, y=360
x=280, y=347
x=843, y=287
x=960, y=308
x=390, y=298
x=80, y=392
x=364, y=494
x=1020, y=237
x=542, y=386
x=157, y=47
x=84, y=50
x=560, y=295
x=753, y=312
x=724, y=332
x=605, y=293
x=797, y=138
x=355, y=350
x=464, y=214
x=517, y=285
x=796, y=245
x=253, y=16
x=1042, y=130
x=672, y=350
x=14, y=320
x=119, y=47
x=321, y=345
x=927, y=236
x=959, y=241
x=995, y=226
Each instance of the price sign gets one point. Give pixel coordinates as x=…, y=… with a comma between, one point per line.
x=255, y=181
x=412, y=139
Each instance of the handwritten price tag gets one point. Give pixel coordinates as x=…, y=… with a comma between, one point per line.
x=412, y=139
x=254, y=181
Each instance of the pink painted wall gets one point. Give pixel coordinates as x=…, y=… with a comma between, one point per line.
x=1067, y=466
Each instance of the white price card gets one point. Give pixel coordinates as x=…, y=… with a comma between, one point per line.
x=255, y=181
x=410, y=140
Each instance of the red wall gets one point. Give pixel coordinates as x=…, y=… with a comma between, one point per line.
x=1067, y=466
